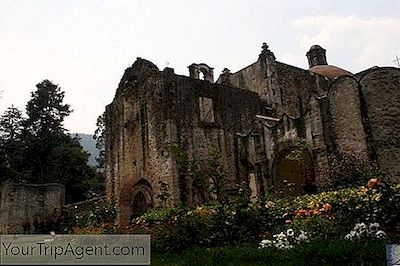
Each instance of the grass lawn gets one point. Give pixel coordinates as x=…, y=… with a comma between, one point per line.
x=316, y=253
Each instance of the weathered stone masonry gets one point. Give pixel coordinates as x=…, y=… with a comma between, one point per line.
x=254, y=118
x=23, y=205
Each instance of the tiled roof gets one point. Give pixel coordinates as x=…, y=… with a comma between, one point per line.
x=331, y=72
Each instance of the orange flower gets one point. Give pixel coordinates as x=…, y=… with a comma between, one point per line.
x=326, y=207
x=300, y=212
x=315, y=212
x=373, y=182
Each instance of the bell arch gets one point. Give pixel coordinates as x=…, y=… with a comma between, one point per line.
x=197, y=70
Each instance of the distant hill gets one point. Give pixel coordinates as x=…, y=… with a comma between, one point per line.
x=89, y=145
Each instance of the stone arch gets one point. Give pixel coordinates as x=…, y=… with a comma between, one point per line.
x=142, y=198
x=293, y=175
x=196, y=69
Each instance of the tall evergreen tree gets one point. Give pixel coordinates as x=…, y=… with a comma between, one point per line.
x=52, y=155
x=46, y=110
x=100, y=137
x=38, y=149
x=11, y=124
x=11, y=145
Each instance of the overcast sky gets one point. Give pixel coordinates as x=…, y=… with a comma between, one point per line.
x=85, y=45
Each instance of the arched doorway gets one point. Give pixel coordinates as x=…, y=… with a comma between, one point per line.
x=294, y=172
x=142, y=199
x=139, y=204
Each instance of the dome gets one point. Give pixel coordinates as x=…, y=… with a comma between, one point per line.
x=316, y=47
x=329, y=71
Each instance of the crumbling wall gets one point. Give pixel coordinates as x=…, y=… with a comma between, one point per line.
x=136, y=139
x=153, y=110
x=381, y=93
x=316, y=124
x=251, y=78
x=22, y=204
x=296, y=85
x=234, y=112
x=348, y=131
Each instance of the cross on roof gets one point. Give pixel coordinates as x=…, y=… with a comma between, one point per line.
x=397, y=61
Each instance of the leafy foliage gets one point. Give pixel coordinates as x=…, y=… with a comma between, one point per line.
x=11, y=145
x=326, y=216
x=38, y=149
x=96, y=214
x=207, y=176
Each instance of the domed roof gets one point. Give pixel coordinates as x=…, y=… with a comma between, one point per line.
x=316, y=47
x=329, y=71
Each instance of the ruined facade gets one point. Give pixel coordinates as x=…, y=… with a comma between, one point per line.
x=254, y=118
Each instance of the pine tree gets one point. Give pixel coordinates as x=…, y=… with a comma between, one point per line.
x=46, y=111
x=100, y=137
x=52, y=155
x=11, y=145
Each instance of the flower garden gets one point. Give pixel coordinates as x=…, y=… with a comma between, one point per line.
x=348, y=226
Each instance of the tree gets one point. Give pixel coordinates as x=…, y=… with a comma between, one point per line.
x=11, y=124
x=11, y=146
x=46, y=111
x=100, y=137
x=52, y=155
x=98, y=184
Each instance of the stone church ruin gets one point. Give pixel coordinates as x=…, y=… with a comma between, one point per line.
x=255, y=118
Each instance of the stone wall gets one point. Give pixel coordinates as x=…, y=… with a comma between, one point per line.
x=348, y=131
x=380, y=89
x=292, y=89
x=317, y=123
x=22, y=204
x=254, y=118
x=154, y=109
x=296, y=85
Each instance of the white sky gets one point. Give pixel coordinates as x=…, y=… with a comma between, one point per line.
x=85, y=45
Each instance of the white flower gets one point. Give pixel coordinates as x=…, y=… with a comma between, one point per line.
x=303, y=232
x=373, y=226
x=380, y=234
x=265, y=243
x=363, y=230
x=281, y=236
x=290, y=232
x=302, y=237
x=360, y=227
x=285, y=240
x=348, y=236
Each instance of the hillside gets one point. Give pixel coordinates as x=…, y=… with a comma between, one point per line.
x=89, y=145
